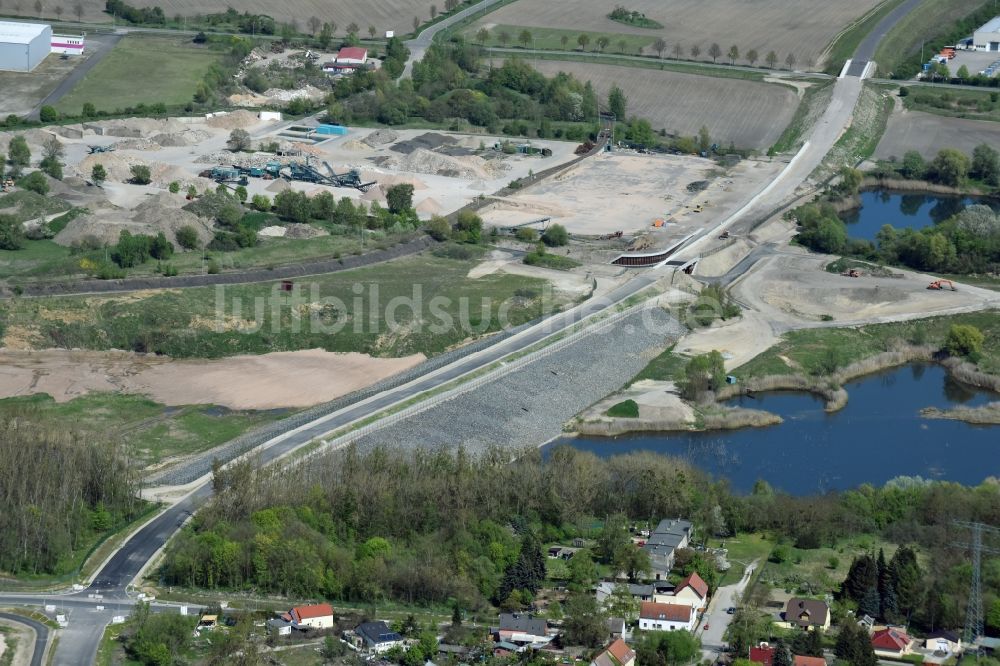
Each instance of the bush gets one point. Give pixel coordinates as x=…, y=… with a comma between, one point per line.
x=555, y=236
x=11, y=233
x=174, y=187
x=470, y=227
x=261, y=202
x=627, y=409
x=187, y=237
x=48, y=114
x=964, y=340
x=779, y=555
x=439, y=229
x=213, y=267
x=35, y=182
x=52, y=167
x=526, y=235
x=140, y=174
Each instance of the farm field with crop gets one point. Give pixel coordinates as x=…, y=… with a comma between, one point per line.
x=174, y=64
x=747, y=113
x=803, y=28
x=383, y=14
x=928, y=133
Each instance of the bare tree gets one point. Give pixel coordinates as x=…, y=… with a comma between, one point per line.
x=78, y=10
x=602, y=42
x=790, y=61
x=564, y=40
x=314, y=25
x=416, y=24
x=734, y=53
x=714, y=51
x=39, y=7
x=659, y=45
x=678, y=51
x=482, y=36
x=752, y=56
x=434, y=12
x=504, y=38
x=352, y=28
x=59, y=11
x=811, y=61
x=622, y=45
x=771, y=59
x=525, y=38
x=695, y=51
x=372, y=31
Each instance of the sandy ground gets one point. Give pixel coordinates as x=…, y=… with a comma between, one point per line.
x=268, y=381
x=792, y=290
x=628, y=191
x=929, y=133
x=657, y=400
x=738, y=341
x=25, y=637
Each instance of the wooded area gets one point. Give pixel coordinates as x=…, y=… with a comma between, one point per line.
x=59, y=493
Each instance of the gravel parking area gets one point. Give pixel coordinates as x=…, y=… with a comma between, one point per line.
x=528, y=407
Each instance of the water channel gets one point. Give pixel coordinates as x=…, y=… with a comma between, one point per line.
x=879, y=435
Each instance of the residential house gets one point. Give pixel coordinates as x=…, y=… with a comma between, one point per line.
x=807, y=614
x=891, y=642
x=348, y=59
x=616, y=654
x=943, y=641
x=377, y=636
x=616, y=627
x=315, y=616
x=692, y=591
x=663, y=543
x=522, y=629
x=279, y=626
x=640, y=592
x=666, y=617
x=799, y=660
x=762, y=654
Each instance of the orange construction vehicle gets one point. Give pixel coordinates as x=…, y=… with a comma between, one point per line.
x=852, y=272
x=940, y=284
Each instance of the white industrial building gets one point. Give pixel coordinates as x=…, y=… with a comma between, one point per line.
x=987, y=38
x=23, y=45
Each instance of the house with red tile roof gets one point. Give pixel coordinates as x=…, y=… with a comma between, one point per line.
x=798, y=660
x=891, y=642
x=666, y=617
x=693, y=591
x=762, y=654
x=316, y=616
x=616, y=654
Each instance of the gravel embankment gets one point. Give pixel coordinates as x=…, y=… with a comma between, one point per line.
x=529, y=406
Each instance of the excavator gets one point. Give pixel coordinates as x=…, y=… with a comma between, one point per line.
x=851, y=272
x=938, y=285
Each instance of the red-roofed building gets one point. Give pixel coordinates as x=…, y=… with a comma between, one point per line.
x=762, y=654
x=798, y=660
x=317, y=616
x=348, y=59
x=692, y=591
x=666, y=617
x=616, y=654
x=890, y=642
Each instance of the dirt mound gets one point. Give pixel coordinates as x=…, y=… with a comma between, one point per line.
x=136, y=144
x=180, y=139
x=119, y=169
x=234, y=120
x=388, y=180
x=307, y=92
x=374, y=194
x=275, y=231
x=380, y=137
x=429, y=206
x=428, y=141
x=280, y=185
x=159, y=213
x=303, y=231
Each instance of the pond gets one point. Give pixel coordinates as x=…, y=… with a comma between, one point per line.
x=879, y=435
x=904, y=209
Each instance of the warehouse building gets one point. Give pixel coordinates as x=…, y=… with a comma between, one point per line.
x=987, y=38
x=23, y=45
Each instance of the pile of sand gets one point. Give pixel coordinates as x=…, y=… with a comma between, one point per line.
x=272, y=232
x=138, y=127
x=303, y=231
x=251, y=100
x=159, y=213
x=353, y=144
x=307, y=92
x=234, y=120
x=119, y=168
x=374, y=194
x=136, y=144
x=388, y=180
x=380, y=137
x=279, y=185
x=189, y=137
x=429, y=206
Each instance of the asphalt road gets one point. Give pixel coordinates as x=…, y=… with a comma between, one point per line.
x=419, y=44
x=717, y=619
x=41, y=635
x=98, y=46
x=866, y=49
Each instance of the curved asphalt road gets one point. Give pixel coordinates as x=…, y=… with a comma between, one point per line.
x=419, y=44
x=41, y=635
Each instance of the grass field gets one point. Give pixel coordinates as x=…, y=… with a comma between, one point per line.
x=155, y=431
x=552, y=38
x=843, y=47
x=926, y=20
x=346, y=311
x=954, y=102
x=819, y=570
x=810, y=108
x=747, y=113
x=807, y=349
x=172, y=66
x=742, y=550
x=802, y=28
x=928, y=133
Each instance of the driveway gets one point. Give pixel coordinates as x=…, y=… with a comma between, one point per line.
x=98, y=46
x=716, y=617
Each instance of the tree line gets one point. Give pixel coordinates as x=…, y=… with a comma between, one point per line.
x=429, y=526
